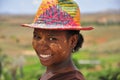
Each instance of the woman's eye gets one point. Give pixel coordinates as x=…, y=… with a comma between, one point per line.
x=37, y=37
x=51, y=39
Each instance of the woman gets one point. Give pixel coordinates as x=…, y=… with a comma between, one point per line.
x=56, y=35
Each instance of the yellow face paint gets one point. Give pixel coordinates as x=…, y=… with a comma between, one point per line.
x=59, y=46
x=65, y=41
x=64, y=52
x=54, y=46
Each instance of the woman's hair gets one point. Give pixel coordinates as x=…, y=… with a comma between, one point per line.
x=80, y=38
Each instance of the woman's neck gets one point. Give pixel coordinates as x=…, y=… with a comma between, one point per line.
x=64, y=66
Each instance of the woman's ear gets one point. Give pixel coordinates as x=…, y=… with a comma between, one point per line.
x=73, y=41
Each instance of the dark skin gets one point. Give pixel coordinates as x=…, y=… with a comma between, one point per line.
x=54, y=50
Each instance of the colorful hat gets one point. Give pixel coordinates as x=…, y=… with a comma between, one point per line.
x=58, y=15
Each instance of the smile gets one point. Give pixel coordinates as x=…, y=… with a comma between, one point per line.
x=45, y=55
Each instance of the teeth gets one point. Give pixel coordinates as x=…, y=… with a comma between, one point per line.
x=45, y=56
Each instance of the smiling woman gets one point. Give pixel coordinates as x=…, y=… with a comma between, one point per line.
x=54, y=49
x=49, y=46
x=56, y=36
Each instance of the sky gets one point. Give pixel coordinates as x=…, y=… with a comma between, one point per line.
x=31, y=6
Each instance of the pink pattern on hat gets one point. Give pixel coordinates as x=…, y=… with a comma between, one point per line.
x=56, y=16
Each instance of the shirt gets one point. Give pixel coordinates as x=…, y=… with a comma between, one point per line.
x=71, y=75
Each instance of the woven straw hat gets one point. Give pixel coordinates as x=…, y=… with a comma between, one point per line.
x=58, y=15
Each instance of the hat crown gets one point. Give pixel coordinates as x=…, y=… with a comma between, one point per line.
x=58, y=12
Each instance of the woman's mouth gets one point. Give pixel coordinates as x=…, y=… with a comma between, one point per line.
x=45, y=55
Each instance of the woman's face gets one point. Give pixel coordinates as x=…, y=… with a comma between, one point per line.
x=51, y=46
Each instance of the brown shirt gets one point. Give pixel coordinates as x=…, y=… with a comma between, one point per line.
x=72, y=75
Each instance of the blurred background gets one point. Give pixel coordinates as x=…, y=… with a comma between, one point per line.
x=98, y=59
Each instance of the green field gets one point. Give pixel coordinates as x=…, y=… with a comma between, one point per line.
x=98, y=59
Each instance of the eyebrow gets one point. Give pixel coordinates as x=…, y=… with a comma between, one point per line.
x=49, y=34
x=52, y=35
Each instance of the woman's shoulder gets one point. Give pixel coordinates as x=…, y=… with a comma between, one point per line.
x=71, y=75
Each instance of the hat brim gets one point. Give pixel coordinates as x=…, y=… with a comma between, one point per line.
x=57, y=27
